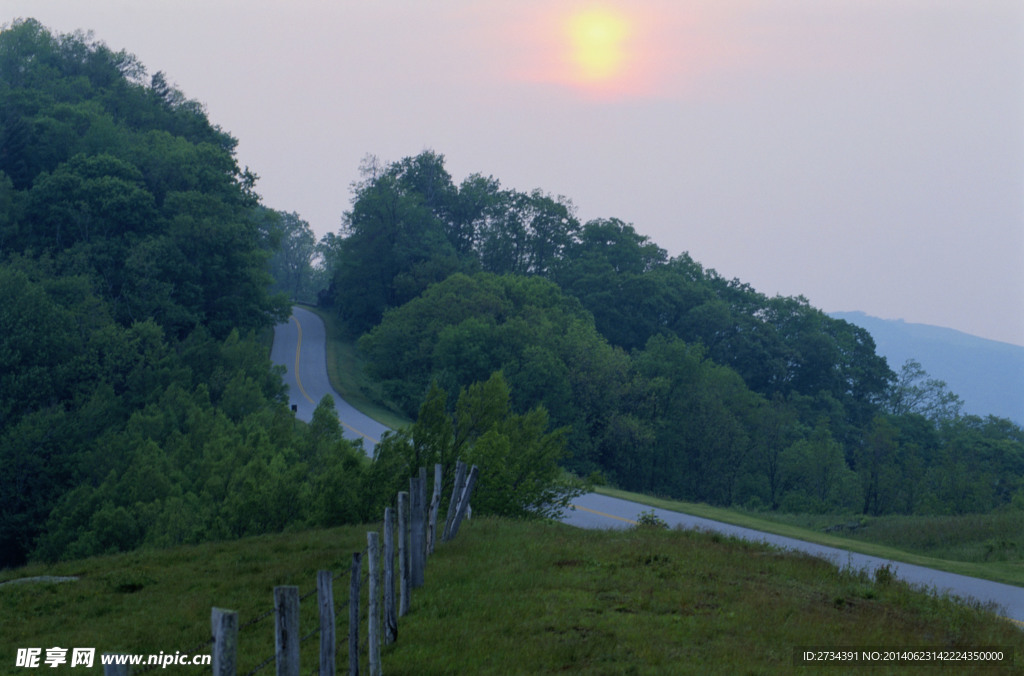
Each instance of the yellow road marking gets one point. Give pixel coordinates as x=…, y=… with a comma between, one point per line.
x=363, y=435
x=298, y=350
x=298, y=380
x=610, y=516
x=1016, y=622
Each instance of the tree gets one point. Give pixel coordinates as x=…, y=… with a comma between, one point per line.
x=817, y=476
x=479, y=200
x=703, y=416
x=776, y=431
x=394, y=240
x=914, y=392
x=876, y=463
x=517, y=455
x=527, y=234
x=291, y=264
x=88, y=198
x=607, y=269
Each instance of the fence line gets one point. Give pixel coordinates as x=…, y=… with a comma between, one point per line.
x=417, y=533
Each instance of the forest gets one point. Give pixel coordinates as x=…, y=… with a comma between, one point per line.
x=667, y=378
x=138, y=405
x=140, y=275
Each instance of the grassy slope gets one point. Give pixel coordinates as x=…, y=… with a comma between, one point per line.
x=506, y=597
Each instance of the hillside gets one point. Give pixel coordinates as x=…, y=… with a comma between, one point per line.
x=138, y=407
x=987, y=374
x=507, y=597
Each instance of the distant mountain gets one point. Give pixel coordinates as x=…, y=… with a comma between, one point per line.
x=987, y=374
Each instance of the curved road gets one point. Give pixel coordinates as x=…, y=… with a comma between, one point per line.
x=299, y=345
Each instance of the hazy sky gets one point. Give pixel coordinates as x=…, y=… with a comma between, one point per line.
x=867, y=154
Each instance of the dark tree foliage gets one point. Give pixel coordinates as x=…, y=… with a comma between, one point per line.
x=136, y=405
x=671, y=378
x=126, y=182
x=518, y=456
x=410, y=227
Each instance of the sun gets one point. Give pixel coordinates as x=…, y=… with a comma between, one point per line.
x=597, y=44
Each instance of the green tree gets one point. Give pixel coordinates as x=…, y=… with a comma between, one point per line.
x=292, y=262
x=518, y=457
x=914, y=392
x=395, y=242
x=527, y=233
x=817, y=476
x=876, y=463
x=704, y=418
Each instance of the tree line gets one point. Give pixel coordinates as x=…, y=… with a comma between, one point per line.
x=668, y=378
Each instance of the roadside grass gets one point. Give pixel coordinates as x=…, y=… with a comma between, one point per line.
x=997, y=537
x=510, y=597
x=956, y=544
x=345, y=369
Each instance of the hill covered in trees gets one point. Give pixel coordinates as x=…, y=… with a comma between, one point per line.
x=138, y=405
x=668, y=378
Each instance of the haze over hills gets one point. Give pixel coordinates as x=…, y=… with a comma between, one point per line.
x=987, y=374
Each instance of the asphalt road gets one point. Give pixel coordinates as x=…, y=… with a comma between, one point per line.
x=299, y=345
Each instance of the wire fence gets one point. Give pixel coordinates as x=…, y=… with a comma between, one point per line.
x=338, y=606
x=416, y=531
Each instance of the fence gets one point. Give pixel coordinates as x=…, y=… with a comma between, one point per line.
x=417, y=536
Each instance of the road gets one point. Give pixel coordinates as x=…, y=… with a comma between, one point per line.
x=300, y=346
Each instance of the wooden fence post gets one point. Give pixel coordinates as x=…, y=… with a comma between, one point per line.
x=325, y=600
x=353, y=616
x=116, y=669
x=416, y=493
x=286, y=633
x=373, y=630
x=403, y=553
x=224, y=627
x=464, y=501
x=435, y=503
x=425, y=508
x=453, y=504
x=390, y=611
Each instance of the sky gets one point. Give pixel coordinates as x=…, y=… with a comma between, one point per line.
x=865, y=154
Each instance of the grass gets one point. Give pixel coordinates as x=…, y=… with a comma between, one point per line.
x=955, y=544
x=509, y=597
x=997, y=537
x=148, y=601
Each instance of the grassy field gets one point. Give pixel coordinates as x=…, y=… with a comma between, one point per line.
x=509, y=597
